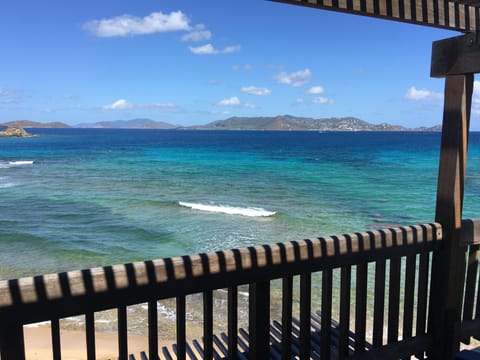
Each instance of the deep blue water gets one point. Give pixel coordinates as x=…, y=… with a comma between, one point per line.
x=95, y=197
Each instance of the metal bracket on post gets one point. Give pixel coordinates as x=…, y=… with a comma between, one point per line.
x=456, y=56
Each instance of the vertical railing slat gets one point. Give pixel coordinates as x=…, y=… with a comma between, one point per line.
x=361, y=307
x=259, y=319
x=287, y=302
x=477, y=305
x=90, y=335
x=208, y=324
x=393, y=299
x=379, y=303
x=305, y=314
x=471, y=282
x=232, y=322
x=470, y=286
x=408, y=301
x=345, y=288
x=326, y=327
x=56, y=347
x=422, y=293
x=153, y=330
x=181, y=328
x=422, y=296
x=122, y=333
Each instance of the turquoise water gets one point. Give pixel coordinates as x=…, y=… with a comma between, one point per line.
x=76, y=198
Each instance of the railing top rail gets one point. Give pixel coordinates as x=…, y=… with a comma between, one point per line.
x=68, y=293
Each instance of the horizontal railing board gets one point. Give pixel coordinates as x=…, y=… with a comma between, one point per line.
x=78, y=292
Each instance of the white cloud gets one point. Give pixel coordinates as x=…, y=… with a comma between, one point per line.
x=476, y=92
x=208, y=49
x=299, y=101
x=199, y=33
x=231, y=49
x=246, y=67
x=253, y=90
x=476, y=98
x=10, y=96
x=295, y=79
x=125, y=25
x=233, y=101
x=414, y=94
x=323, y=100
x=123, y=104
x=316, y=90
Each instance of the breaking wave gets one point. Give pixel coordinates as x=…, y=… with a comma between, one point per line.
x=21, y=162
x=7, y=185
x=231, y=210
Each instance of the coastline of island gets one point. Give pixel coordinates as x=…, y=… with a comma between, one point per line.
x=272, y=123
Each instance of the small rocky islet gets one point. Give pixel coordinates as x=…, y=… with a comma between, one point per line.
x=15, y=132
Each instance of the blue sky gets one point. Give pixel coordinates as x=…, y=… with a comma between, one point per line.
x=191, y=62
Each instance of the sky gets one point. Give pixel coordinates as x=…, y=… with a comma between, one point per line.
x=190, y=62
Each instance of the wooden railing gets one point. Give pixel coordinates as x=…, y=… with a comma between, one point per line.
x=373, y=289
x=470, y=326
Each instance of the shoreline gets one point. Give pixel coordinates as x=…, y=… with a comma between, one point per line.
x=38, y=344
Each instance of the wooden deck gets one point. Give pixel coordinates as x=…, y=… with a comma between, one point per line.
x=195, y=348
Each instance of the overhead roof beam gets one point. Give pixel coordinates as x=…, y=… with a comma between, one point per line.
x=459, y=15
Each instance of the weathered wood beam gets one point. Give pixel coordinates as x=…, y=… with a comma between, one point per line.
x=445, y=14
x=448, y=267
x=456, y=56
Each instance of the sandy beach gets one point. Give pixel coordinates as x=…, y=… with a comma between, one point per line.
x=38, y=344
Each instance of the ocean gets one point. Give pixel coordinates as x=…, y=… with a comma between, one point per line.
x=79, y=198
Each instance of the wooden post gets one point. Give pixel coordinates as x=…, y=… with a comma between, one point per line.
x=449, y=262
x=12, y=344
x=259, y=319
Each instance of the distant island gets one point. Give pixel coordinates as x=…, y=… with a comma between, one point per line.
x=34, y=124
x=278, y=123
x=128, y=124
x=291, y=123
x=15, y=132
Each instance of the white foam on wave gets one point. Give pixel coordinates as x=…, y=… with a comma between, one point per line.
x=231, y=210
x=39, y=324
x=21, y=162
x=7, y=185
